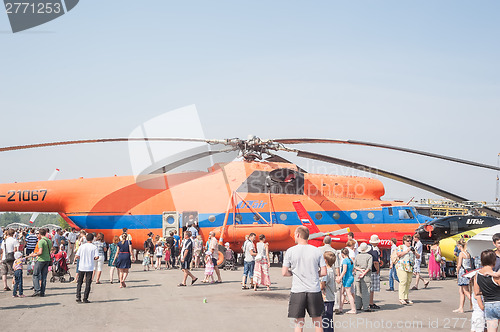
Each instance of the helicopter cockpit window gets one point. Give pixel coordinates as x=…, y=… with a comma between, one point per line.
x=280, y=181
x=405, y=214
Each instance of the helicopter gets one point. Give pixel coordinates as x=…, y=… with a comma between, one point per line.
x=449, y=230
x=254, y=194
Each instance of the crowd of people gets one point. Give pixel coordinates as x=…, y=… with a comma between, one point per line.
x=324, y=279
x=41, y=249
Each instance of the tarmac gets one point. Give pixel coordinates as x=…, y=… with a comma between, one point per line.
x=152, y=301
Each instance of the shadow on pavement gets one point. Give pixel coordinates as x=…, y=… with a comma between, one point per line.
x=28, y=306
x=270, y=295
x=147, y=286
x=115, y=300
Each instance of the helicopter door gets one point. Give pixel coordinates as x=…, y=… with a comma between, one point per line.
x=170, y=222
x=453, y=227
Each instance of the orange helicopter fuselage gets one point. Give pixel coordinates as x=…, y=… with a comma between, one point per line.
x=233, y=199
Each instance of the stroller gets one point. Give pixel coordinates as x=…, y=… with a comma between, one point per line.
x=60, y=267
x=230, y=261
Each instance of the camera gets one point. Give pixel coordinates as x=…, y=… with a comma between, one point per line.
x=412, y=249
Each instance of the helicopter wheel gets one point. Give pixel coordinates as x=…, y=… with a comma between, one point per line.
x=221, y=260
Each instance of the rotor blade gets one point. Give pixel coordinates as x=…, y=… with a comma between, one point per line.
x=279, y=159
x=183, y=161
x=106, y=140
x=384, y=146
x=390, y=175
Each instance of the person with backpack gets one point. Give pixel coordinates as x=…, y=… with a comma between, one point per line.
x=149, y=245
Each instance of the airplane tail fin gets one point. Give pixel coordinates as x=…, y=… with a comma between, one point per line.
x=305, y=218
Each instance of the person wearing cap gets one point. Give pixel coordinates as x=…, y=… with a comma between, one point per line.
x=375, y=276
x=363, y=267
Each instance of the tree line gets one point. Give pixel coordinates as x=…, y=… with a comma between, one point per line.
x=43, y=219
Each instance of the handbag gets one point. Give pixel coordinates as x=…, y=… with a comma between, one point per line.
x=9, y=258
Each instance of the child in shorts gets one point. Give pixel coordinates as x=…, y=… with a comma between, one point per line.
x=159, y=255
x=146, y=262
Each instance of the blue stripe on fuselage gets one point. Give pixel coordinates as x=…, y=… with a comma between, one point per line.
x=292, y=219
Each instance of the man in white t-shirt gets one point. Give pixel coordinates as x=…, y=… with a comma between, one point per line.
x=8, y=248
x=303, y=262
x=87, y=254
x=418, y=261
x=249, y=261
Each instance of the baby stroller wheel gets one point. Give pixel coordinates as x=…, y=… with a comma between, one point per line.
x=53, y=279
x=62, y=279
x=71, y=279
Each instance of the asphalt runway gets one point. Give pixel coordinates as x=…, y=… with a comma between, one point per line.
x=153, y=302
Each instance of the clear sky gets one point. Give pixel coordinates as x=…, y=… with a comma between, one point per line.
x=419, y=74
